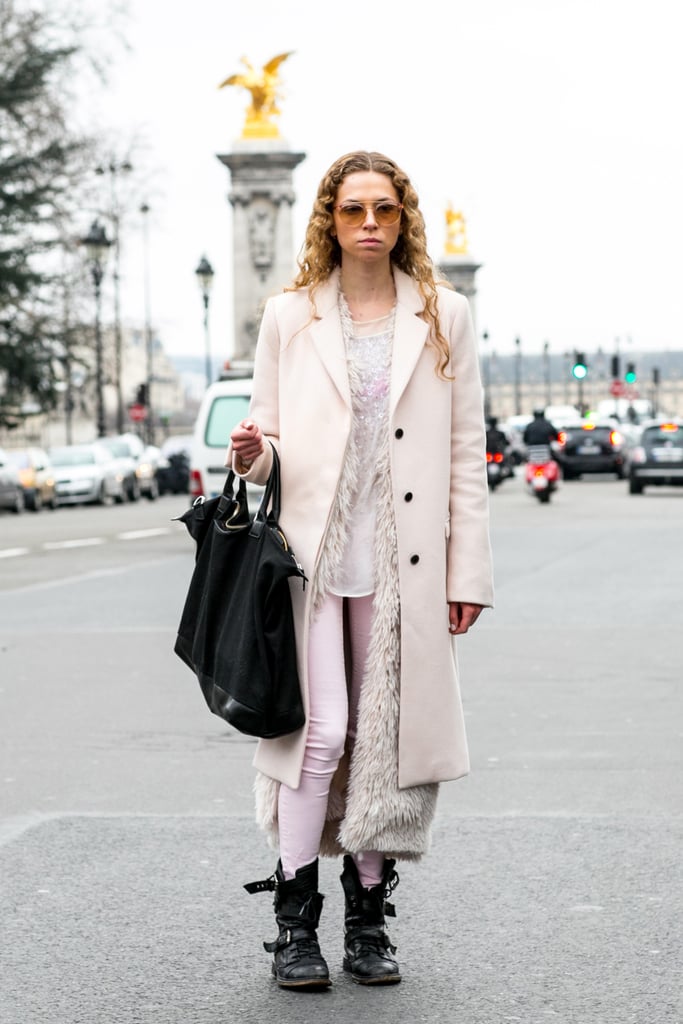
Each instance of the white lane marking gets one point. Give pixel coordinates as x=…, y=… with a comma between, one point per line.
x=82, y=542
x=157, y=531
x=86, y=576
x=13, y=552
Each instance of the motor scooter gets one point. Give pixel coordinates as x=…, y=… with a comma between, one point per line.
x=495, y=469
x=541, y=472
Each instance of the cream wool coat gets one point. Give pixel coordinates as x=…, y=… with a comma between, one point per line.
x=301, y=400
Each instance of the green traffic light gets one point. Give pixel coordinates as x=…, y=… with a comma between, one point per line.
x=630, y=375
x=580, y=367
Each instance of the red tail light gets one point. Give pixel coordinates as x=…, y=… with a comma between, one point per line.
x=196, y=485
x=494, y=457
x=562, y=437
x=615, y=438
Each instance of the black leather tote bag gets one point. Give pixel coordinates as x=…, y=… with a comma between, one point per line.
x=236, y=630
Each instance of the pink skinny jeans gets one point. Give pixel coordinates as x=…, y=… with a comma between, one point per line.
x=333, y=713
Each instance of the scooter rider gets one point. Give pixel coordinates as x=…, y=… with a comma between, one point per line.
x=539, y=431
x=496, y=440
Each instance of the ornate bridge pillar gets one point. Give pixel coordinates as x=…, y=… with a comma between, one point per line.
x=262, y=197
x=457, y=265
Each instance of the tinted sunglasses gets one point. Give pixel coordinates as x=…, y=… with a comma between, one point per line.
x=354, y=214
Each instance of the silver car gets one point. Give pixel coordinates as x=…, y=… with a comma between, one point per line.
x=11, y=491
x=86, y=474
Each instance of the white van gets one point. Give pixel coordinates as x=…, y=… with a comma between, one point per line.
x=224, y=404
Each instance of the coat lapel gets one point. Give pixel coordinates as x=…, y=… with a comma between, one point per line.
x=410, y=336
x=328, y=339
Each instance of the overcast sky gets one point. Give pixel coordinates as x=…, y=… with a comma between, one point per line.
x=554, y=126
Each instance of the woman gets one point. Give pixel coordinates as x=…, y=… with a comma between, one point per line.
x=366, y=380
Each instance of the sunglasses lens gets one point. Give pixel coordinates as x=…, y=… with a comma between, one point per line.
x=352, y=214
x=387, y=213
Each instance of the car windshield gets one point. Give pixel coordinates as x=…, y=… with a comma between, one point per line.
x=226, y=412
x=73, y=457
x=19, y=459
x=668, y=434
x=118, y=448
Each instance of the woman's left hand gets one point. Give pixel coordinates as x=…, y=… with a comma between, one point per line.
x=461, y=616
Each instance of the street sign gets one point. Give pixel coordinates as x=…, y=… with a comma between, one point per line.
x=617, y=388
x=137, y=412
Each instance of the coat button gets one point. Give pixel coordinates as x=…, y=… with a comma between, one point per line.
x=414, y=559
x=398, y=433
x=408, y=496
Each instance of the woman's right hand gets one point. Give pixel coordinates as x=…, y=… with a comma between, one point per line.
x=247, y=441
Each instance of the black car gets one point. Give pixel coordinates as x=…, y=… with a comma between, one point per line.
x=590, y=447
x=173, y=468
x=657, y=459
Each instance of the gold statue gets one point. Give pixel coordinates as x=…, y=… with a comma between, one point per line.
x=263, y=86
x=456, y=233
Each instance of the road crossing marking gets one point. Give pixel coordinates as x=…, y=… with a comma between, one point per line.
x=87, y=542
x=157, y=531
x=13, y=552
x=81, y=542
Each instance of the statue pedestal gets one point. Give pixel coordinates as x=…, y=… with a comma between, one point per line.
x=262, y=197
x=461, y=272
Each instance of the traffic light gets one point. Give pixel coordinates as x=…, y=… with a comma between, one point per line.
x=656, y=376
x=141, y=394
x=630, y=376
x=616, y=372
x=580, y=367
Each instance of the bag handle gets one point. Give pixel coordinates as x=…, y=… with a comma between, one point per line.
x=271, y=496
x=228, y=495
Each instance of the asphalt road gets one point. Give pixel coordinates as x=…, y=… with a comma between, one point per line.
x=553, y=890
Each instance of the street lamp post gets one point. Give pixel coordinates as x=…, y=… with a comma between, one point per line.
x=97, y=247
x=518, y=376
x=546, y=372
x=149, y=343
x=487, y=375
x=114, y=168
x=204, y=274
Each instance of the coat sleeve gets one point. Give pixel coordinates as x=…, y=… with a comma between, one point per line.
x=469, y=570
x=264, y=408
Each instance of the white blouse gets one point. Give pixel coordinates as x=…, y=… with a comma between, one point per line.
x=368, y=354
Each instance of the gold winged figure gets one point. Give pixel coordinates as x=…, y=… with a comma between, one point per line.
x=456, y=232
x=264, y=88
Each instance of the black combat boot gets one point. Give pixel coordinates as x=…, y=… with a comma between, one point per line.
x=368, y=952
x=298, y=962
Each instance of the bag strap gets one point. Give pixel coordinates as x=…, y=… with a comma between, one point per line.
x=271, y=497
x=227, y=496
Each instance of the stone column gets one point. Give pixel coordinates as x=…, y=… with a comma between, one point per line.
x=264, y=262
x=461, y=271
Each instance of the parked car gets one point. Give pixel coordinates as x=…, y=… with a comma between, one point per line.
x=224, y=404
x=590, y=447
x=136, y=465
x=86, y=473
x=127, y=464
x=173, y=468
x=657, y=458
x=148, y=462
x=35, y=476
x=11, y=491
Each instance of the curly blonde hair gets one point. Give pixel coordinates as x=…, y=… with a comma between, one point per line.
x=321, y=252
